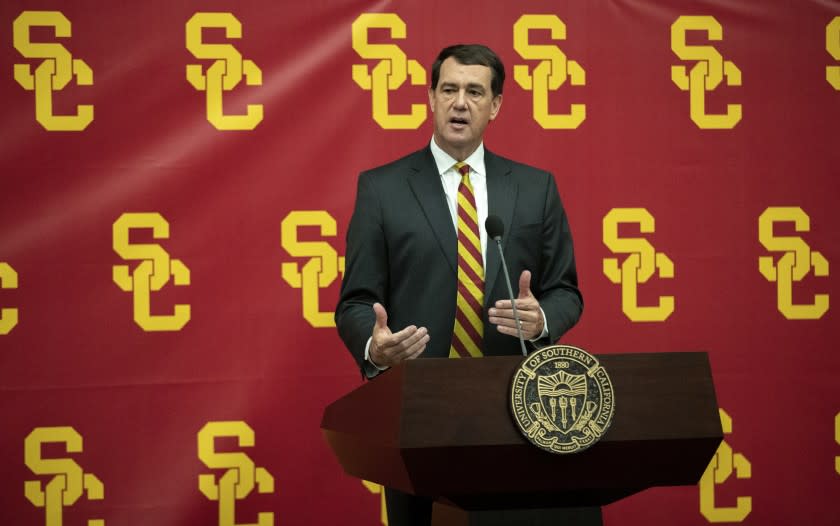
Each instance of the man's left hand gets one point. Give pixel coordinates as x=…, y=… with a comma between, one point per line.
x=528, y=308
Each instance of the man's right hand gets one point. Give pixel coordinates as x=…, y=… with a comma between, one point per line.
x=390, y=348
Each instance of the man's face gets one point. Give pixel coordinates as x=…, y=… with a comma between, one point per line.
x=463, y=104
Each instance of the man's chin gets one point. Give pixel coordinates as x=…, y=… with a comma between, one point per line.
x=457, y=140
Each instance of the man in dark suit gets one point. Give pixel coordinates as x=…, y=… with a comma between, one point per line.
x=398, y=296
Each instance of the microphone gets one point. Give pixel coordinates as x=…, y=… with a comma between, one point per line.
x=495, y=229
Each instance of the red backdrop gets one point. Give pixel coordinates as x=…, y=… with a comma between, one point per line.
x=133, y=182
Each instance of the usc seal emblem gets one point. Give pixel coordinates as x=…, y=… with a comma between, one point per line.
x=562, y=399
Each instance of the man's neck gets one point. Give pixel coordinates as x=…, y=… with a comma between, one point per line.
x=459, y=154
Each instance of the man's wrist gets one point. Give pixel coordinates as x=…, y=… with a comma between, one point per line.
x=544, y=333
x=368, y=356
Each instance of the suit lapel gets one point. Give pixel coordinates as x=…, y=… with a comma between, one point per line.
x=428, y=190
x=501, y=196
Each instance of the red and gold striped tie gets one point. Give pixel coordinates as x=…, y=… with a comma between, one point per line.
x=469, y=325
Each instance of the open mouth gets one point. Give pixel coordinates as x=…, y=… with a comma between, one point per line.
x=458, y=122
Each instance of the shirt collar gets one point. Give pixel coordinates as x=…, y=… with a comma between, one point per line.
x=445, y=162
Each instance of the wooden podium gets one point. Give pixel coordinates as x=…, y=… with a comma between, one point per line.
x=442, y=428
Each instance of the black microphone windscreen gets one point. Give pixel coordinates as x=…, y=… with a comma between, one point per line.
x=494, y=226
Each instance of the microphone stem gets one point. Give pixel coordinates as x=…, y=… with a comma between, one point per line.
x=512, y=299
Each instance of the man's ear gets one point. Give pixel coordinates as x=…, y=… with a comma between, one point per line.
x=495, y=105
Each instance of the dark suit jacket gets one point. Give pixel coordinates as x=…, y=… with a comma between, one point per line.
x=402, y=253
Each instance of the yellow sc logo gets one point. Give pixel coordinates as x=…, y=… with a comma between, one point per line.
x=69, y=482
x=153, y=272
x=706, y=74
x=241, y=476
x=837, y=439
x=8, y=315
x=324, y=263
x=721, y=467
x=796, y=262
x=640, y=265
x=832, y=45
x=377, y=489
x=390, y=73
x=225, y=73
x=551, y=73
x=54, y=73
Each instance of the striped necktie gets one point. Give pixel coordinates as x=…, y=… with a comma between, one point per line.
x=469, y=325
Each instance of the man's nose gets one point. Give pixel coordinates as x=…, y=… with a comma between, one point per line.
x=461, y=99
